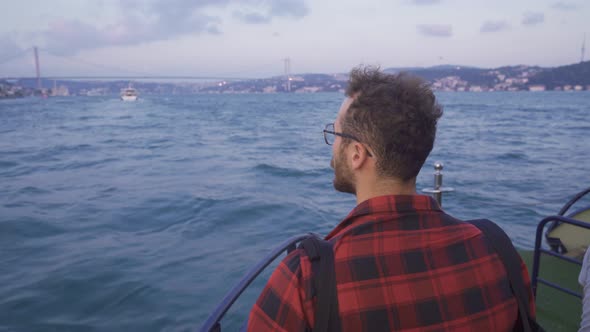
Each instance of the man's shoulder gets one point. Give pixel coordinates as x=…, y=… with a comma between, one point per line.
x=297, y=262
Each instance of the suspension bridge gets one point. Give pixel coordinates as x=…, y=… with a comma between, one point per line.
x=123, y=73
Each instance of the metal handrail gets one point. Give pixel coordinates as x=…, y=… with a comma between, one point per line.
x=212, y=323
x=572, y=201
x=538, y=251
x=568, y=205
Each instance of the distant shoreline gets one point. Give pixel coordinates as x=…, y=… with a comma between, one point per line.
x=575, y=77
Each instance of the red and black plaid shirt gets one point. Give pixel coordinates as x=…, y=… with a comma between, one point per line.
x=402, y=264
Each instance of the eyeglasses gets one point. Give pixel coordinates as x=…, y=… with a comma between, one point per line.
x=330, y=133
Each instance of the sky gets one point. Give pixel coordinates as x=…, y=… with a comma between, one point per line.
x=252, y=38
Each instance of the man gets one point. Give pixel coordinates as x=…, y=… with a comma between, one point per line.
x=401, y=263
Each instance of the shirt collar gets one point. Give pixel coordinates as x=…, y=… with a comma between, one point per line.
x=394, y=204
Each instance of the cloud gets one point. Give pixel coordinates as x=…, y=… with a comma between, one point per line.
x=288, y=8
x=435, y=30
x=156, y=20
x=533, y=18
x=252, y=18
x=564, y=5
x=424, y=2
x=494, y=26
x=276, y=8
x=213, y=30
x=294, y=9
x=70, y=36
x=178, y=17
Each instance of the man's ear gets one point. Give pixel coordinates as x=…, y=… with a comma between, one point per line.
x=359, y=155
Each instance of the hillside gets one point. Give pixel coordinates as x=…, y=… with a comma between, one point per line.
x=576, y=74
x=504, y=78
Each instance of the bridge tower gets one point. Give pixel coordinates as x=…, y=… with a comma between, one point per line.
x=288, y=73
x=37, y=69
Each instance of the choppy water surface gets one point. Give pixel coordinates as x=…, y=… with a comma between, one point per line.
x=140, y=216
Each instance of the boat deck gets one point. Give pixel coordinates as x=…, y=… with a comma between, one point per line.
x=557, y=311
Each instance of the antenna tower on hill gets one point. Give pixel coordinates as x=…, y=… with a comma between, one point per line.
x=583, y=48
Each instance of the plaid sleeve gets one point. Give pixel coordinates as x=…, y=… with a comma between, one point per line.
x=285, y=304
x=527, y=283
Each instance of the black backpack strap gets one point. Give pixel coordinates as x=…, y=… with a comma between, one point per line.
x=321, y=255
x=502, y=244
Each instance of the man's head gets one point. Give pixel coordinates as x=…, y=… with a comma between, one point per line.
x=388, y=120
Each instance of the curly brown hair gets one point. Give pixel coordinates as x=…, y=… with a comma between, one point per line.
x=395, y=115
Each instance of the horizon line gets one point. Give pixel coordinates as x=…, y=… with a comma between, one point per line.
x=233, y=78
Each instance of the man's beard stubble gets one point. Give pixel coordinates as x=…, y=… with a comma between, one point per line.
x=343, y=177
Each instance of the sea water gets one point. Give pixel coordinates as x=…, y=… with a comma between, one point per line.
x=141, y=216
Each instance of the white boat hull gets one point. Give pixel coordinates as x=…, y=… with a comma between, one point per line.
x=129, y=98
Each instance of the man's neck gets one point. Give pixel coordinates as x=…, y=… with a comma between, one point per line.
x=383, y=187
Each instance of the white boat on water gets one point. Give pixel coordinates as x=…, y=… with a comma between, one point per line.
x=129, y=94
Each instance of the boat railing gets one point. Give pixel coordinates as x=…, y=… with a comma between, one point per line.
x=535, y=280
x=555, y=243
x=572, y=201
x=212, y=324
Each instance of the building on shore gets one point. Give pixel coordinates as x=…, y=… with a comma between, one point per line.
x=62, y=91
x=536, y=88
x=269, y=89
x=308, y=89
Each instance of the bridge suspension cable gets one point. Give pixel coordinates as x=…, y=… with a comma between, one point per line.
x=96, y=65
x=12, y=57
x=119, y=72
